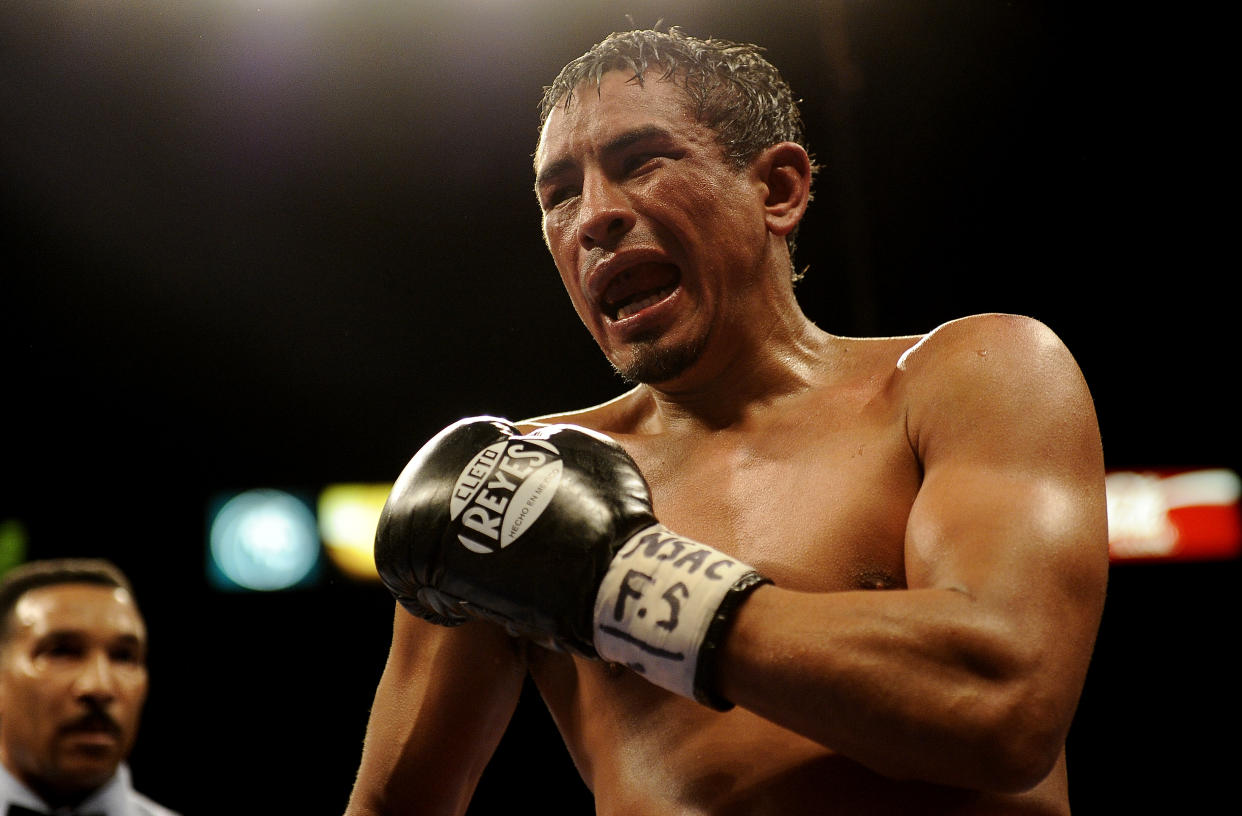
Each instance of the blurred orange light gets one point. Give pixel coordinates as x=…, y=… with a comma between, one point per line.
x=348, y=514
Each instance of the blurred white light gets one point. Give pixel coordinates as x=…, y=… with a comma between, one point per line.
x=1185, y=515
x=264, y=540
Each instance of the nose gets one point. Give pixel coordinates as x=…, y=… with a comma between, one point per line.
x=605, y=214
x=97, y=679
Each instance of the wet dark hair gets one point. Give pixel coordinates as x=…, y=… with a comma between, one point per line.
x=729, y=87
x=37, y=574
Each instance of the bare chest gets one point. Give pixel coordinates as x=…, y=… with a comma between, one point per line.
x=815, y=508
x=817, y=499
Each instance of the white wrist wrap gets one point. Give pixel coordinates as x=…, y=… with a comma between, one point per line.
x=657, y=603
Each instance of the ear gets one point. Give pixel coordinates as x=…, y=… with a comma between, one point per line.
x=784, y=170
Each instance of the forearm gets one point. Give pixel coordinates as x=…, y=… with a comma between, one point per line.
x=917, y=684
x=442, y=704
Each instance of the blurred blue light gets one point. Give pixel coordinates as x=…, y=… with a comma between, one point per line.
x=263, y=540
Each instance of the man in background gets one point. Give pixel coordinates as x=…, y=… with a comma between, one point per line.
x=73, y=680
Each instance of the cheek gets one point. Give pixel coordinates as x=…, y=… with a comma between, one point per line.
x=561, y=247
x=136, y=686
x=546, y=229
x=705, y=207
x=570, y=283
x=556, y=225
x=29, y=710
x=563, y=251
x=129, y=710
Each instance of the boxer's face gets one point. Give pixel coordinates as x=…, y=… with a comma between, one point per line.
x=657, y=239
x=73, y=679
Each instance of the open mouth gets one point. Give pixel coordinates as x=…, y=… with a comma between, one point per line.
x=638, y=287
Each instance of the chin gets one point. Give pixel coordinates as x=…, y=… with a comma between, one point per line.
x=88, y=768
x=650, y=363
x=85, y=777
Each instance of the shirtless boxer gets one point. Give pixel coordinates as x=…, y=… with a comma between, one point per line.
x=927, y=512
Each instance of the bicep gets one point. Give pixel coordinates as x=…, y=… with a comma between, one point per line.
x=442, y=705
x=1011, y=510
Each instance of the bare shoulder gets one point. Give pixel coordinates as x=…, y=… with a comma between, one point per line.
x=1009, y=336
x=1005, y=351
x=998, y=371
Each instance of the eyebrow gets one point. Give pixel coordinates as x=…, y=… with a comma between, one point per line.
x=617, y=144
x=64, y=635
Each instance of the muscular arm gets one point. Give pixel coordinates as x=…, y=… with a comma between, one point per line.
x=970, y=676
x=443, y=703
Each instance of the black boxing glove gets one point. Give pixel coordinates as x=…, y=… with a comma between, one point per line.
x=551, y=534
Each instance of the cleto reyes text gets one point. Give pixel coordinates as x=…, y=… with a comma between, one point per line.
x=487, y=486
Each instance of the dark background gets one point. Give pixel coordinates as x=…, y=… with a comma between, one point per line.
x=281, y=243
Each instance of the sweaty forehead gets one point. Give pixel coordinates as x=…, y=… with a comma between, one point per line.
x=596, y=114
x=103, y=610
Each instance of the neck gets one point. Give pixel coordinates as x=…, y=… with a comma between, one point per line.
x=788, y=356
x=60, y=797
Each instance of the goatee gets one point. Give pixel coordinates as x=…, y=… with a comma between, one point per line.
x=651, y=363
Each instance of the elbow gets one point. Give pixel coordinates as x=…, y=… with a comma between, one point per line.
x=1021, y=744
x=1018, y=769
x=998, y=743
x=1018, y=707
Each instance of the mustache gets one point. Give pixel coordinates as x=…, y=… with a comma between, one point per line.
x=93, y=721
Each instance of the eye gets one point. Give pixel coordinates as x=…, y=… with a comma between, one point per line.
x=60, y=649
x=639, y=163
x=64, y=651
x=129, y=655
x=557, y=195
